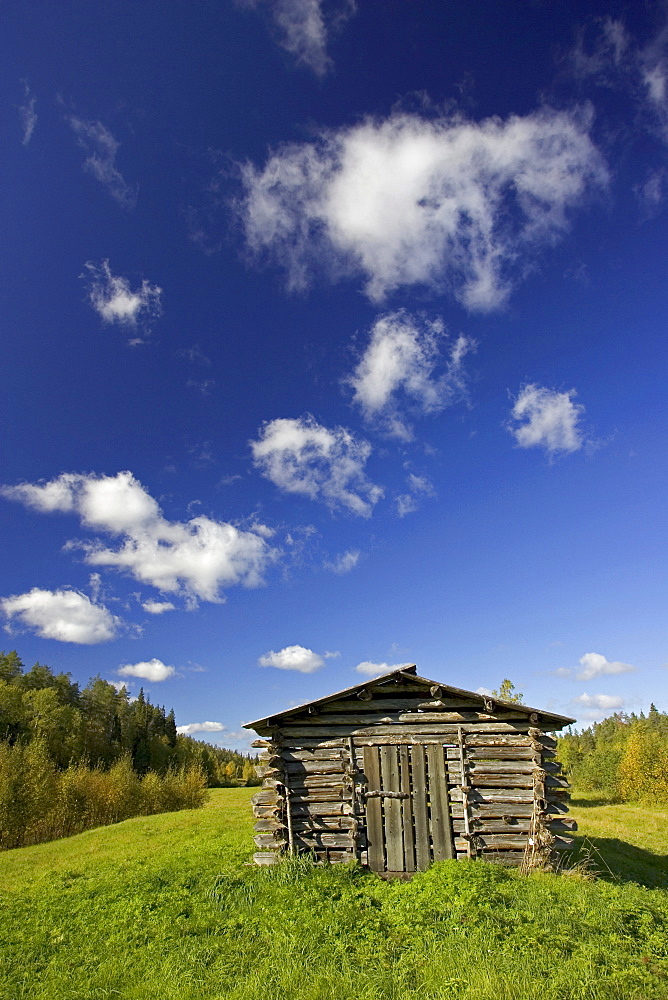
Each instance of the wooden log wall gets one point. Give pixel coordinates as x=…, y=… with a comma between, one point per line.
x=507, y=797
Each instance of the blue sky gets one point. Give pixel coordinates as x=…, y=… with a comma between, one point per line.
x=333, y=342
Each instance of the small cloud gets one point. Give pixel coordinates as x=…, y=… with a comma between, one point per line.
x=151, y=670
x=303, y=28
x=63, y=615
x=194, y=355
x=101, y=147
x=335, y=655
x=201, y=727
x=370, y=669
x=27, y=114
x=407, y=503
x=596, y=665
x=305, y=661
x=562, y=672
x=402, y=373
x=487, y=692
x=204, y=386
x=228, y=480
x=158, y=607
x=113, y=300
x=326, y=464
x=547, y=419
x=344, y=562
x=603, y=702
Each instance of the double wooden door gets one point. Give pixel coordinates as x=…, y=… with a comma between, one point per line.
x=407, y=807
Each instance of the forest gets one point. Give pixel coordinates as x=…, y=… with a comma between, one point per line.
x=624, y=757
x=73, y=758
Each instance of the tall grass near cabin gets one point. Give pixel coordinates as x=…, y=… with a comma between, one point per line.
x=39, y=803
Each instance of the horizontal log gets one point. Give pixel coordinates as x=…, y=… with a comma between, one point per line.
x=300, y=795
x=270, y=841
x=483, y=780
x=485, y=810
x=492, y=767
x=313, y=767
x=340, y=840
x=495, y=841
x=292, y=756
x=510, y=753
x=561, y=825
x=305, y=823
x=494, y=795
x=266, y=812
x=409, y=702
x=321, y=809
x=414, y=729
x=266, y=858
x=265, y=797
x=268, y=825
x=511, y=859
x=366, y=719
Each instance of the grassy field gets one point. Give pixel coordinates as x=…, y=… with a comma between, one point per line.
x=167, y=907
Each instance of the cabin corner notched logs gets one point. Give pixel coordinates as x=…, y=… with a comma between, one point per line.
x=402, y=771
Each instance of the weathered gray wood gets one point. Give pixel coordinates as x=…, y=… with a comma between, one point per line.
x=374, y=819
x=339, y=732
x=420, y=812
x=268, y=841
x=314, y=767
x=495, y=841
x=494, y=795
x=266, y=858
x=322, y=809
x=389, y=781
x=318, y=838
x=410, y=701
x=365, y=719
x=268, y=825
x=265, y=797
x=441, y=832
x=407, y=810
x=265, y=811
x=489, y=767
x=464, y=778
x=320, y=795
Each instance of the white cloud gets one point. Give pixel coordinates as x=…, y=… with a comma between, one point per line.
x=398, y=371
x=27, y=113
x=344, y=562
x=375, y=669
x=64, y=615
x=596, y=665
x=201, y=727
x=157, y=607
x=331, y=655
x=114, y=301
x=101, y=147
x=303, y=27
x=151, y=670
x=418, y=486
x=604, y=702
x=484, y=691
x=327, y=464
x=197, y=558
x=411, y=200
x=292, y=658
x=547, y=419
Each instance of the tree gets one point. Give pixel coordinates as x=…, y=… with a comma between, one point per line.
x=507, y=692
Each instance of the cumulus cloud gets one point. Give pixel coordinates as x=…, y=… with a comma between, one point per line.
x=27, y=113
x=200, y=727
x=326, y=464
x=410, y=200
x=376, y=669
x=101, y=147
x=418, y=486
x=344, y=562
x=305, y=661
x=114, y=301
x=400, y=370
x=547, y=419
x=157, y=607
x=303, y=27
x=64, y=615
x=603, y=702
x=596, y=665
x=196, y=558
x=151, y=670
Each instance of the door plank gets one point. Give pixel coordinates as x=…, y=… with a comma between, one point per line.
x=390, y=782
x=441, y=831
x=420, y=814
x=374, y=817
x=407, y=811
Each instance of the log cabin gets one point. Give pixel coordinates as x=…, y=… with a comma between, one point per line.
x=401, y=771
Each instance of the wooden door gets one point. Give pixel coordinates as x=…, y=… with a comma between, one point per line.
x=407, y=808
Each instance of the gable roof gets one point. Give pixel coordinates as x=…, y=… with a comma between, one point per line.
x=408, y=673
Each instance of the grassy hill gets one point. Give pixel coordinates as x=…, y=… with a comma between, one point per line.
x=166, y=908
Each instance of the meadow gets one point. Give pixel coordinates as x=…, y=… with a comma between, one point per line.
x=168, y=907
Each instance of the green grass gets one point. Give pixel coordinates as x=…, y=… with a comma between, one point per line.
x=166, y=908
x=624, y=841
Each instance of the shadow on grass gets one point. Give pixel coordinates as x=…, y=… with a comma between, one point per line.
x=616, y=861
x=604, y=800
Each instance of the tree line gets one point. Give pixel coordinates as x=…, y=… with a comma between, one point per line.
x=73, y=758
x=624, y=757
